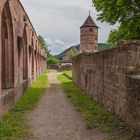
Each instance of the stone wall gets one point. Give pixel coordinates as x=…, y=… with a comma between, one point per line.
x=22, y=59
x=89, y=39
x=112, y=78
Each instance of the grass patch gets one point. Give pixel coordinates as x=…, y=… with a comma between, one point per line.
x=12, y=125
x=95, y=114
x=68, y=73
x=48, y=70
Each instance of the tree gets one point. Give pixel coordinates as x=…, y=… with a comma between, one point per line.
x=72, y=53
x=51, y=59
x=43, y=44
x=114, y=36
x=125, y=12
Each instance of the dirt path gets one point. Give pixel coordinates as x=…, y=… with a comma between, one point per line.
x=56, y=119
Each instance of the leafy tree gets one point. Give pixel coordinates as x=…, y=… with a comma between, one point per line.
x=51, y=59
x=125, y=12
x=114, y=36
x=72, y=53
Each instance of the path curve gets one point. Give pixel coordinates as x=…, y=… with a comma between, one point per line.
x=55, y=118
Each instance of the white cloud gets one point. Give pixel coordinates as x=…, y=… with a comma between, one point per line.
x=59, y=42
x=60, y=21
x=56, y=46
x=49, y=41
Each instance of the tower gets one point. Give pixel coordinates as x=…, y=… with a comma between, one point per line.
x=89, y=36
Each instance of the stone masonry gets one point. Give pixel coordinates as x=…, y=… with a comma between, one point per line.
x=112, y=78
x=89, y=36
x=22, y=57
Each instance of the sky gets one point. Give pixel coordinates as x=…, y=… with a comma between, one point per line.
x=59, y=21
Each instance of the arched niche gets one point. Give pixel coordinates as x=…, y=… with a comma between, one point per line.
x=7, y=57
x=25, y=56
x=32, y=67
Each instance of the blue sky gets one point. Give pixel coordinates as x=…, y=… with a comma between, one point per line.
x=59, y=21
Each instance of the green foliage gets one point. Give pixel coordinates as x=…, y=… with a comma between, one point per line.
x=123, y=33
x=125, y=12
x=121, y=11
x=95, y=115
x=68, y=73
x=43, y=44
x=48, y=70
x=107, y=46
x=12, y=126
x=114, y=36
x=51, y=59
x=72, y=53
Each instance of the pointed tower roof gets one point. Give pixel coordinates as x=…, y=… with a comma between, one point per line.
x=89, y=22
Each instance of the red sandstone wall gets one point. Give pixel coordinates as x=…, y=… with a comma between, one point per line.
x=89, y=39
x=112, y=78
x=28, y=55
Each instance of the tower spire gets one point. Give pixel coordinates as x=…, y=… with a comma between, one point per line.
x=89, y=22
x=89, y=12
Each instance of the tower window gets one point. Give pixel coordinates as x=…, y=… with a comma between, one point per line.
x=91, y=29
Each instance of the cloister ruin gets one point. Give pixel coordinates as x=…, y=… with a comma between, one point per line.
x=22, y=57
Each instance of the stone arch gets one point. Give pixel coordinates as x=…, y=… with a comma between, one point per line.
x=25, y=56
x=36, y=61
x=32, y=63
x=32, y=67
x=36, y=58
x=7, y=65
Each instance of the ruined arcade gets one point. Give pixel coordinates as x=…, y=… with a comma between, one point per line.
x=22, y=57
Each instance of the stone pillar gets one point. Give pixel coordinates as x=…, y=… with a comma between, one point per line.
x=30, y=65
x=37, y=64
x=0, y=66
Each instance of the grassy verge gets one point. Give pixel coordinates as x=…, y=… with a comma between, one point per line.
x=12, y=126
x=68, y=73
x=48, y=70
x=95, y=115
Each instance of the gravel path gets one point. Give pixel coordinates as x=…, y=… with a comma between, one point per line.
x=55, y=117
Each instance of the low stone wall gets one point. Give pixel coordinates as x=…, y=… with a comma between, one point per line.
x=112, y=78
x=65, y=66
x=52, y=66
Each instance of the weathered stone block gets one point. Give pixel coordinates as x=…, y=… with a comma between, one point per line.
x=113, y=79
